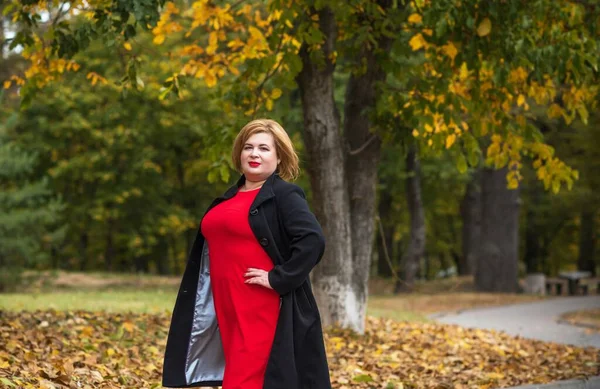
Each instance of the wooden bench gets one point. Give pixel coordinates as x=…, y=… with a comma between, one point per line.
x=587, y=285
x=557, y=286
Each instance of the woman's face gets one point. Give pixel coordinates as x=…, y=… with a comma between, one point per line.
x=259, y=157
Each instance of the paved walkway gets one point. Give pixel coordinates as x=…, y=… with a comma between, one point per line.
x=537, y=320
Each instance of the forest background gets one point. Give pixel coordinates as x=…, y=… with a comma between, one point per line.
x=436, y=138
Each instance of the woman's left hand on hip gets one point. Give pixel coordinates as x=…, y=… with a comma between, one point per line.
x=257, y=277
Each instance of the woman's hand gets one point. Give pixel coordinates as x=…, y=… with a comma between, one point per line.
x=257, y=277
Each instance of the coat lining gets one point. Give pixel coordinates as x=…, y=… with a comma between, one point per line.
x=205, y=360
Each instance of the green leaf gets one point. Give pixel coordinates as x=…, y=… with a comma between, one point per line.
x=139, y=82
x=212, y=176
x=7, y=382
x=224, y=170
x=363, y=378
x=461, y=163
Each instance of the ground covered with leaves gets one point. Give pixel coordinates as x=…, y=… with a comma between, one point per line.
x=589, y=318
x=55, y=349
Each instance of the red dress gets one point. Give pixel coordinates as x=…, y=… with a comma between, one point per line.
x=247, y=314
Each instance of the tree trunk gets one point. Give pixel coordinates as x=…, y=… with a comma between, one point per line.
x=412, y=257
x=162, y=257
x=586, y=242
x=362, y=159
x=470, y=210
x=385, y=244
x=141, y=264
x=109, y=250
x=498, y=253
x=533, y=261
x=83, y=246
x=534, y=233
x=332, y=278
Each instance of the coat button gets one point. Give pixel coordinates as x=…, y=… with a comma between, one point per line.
x=254, y=212
x=264, y=242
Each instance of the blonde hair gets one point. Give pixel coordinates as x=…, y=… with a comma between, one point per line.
x=288, y=168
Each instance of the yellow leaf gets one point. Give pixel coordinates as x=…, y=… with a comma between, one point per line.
x=417, y=42
x=276, y=93
x=210, y=79
x=415, y=19
x=127, y=46
x=520, y=100
x=415, y=133
x=269, y=104
x=7, y=84
x=555, y=111
x=464, y=71
x=495, y=376
x=450, y=50
x=485, y=27
x=159, y=39
x=128, y=326
x=450, y=140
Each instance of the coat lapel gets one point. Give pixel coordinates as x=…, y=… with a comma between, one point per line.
x=265, y=193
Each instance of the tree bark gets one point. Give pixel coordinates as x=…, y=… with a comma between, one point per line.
x=498, y=253
x=416, y=247
x=534, y=232
x=363, y=153
x=385, y=245
x=83, y=250
x=586, y=261
x=332, y=278
x=470, y=210
x=533, y=260
x=109, y=249
x=162, y=257
x=343, y=176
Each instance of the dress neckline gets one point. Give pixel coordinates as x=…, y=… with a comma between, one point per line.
x=250, y=190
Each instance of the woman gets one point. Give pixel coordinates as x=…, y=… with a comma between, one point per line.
x=245, y=316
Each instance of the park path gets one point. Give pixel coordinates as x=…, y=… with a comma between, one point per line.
x=536, y=320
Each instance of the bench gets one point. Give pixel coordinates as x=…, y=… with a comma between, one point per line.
x=586, y=285
x=557, y=286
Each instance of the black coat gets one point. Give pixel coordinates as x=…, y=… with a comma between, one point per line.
x=290, y=234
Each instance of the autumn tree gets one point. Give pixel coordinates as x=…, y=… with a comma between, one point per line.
x=30, y=221
x=460, y=76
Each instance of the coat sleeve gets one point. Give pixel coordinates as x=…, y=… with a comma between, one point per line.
x=307, y=242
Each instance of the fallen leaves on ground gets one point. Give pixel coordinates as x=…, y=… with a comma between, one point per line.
x=428, y=355
x=48, y=349
x=589, y=318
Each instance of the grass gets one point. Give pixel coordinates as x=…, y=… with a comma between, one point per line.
x=145, y=301
x=151, y=294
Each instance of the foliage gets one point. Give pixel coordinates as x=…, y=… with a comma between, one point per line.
x=30, y=223
x=132, y=169
x=94, y=349
x=461, y=75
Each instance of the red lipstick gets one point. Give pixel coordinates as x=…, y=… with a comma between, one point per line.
x=254, y=164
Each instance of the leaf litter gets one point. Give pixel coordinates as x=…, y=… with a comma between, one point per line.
x=85, y=350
